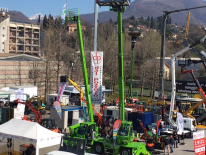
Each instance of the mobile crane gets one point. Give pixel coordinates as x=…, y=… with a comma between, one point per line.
x=192, y=127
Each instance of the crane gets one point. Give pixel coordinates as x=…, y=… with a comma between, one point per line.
x=173, y=58
x=81, y=91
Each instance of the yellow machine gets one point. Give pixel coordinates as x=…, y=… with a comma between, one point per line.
x=39, y=107
x=154, y=102
x=81, y=91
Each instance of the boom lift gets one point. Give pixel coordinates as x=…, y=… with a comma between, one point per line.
x=81, y=91
x=173, y=58
x=87, y=131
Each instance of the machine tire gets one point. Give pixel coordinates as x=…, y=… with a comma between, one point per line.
x=203, y=123
x=98, y=148
x=43, y=112
x=124, y=151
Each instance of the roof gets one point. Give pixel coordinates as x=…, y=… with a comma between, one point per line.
x=18, y=57
x=22, y=86
x=71, y=107
x=3, y=18
x=73, y=25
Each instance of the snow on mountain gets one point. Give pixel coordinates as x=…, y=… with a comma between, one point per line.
x=36, y=17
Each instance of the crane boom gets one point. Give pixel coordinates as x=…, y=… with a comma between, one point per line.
x=81, y=91
x=173, y=58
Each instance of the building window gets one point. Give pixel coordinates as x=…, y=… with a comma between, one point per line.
x=3, y=28
x=2, y=42
x=2, y=50
x=3, y=35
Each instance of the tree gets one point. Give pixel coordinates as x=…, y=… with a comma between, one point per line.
x=45, y=22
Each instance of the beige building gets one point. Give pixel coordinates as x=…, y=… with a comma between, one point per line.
x=18, y=37
x=73, y=27
x=28, y=70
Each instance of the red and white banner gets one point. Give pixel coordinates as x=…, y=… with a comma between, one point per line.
x=96, y=77
x=199, y=142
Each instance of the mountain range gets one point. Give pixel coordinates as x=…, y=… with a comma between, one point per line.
x=140, y=8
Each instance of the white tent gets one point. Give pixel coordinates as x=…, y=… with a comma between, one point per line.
x=30, y=132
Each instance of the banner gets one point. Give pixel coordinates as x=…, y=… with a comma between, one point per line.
x=189, y=87
x=61, y=90
x=57, y=106
x=64, y=13
x=116, y=127
x=199, y=142
x=96, y=77
x=180, y=123
x=20, y=94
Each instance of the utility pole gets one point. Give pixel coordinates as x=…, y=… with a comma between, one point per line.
x=95, y=24
x=162, y=58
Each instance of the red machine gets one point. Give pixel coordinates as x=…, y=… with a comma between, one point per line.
x=199, y=88
x=39, y=120
x=95, y=111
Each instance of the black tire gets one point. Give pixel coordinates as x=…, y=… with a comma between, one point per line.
x=124, y=151
x=98, y=148
x=203, y=123
x=43, y=112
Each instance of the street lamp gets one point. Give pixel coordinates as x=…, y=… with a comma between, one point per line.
x=134, y=35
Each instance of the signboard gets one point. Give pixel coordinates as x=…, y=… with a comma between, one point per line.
x=199, y=142
x=189, y=87
x=96, y=77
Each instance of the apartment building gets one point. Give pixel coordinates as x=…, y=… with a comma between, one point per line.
x=19, y=37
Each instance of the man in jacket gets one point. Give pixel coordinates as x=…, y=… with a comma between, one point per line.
x=171, y=143
x=167, y=145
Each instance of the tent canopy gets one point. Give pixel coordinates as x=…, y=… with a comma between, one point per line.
x=29, y=131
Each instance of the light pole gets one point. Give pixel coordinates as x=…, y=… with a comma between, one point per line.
x=134, y=35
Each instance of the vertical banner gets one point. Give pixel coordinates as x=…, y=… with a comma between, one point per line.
x=57, y=104
x=19, y=111
x=199, y=142
x=20, y=94
x=116, y=127
x=96, y=77
x=64, y=13
x=61, y=90
x=180, y=123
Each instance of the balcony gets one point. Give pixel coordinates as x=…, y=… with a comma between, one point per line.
x=12, y=29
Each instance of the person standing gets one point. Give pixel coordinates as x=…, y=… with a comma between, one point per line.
x=175, y=136
x=171, y=143
x=166, y=146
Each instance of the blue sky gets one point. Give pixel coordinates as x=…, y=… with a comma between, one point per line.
x=54, y=7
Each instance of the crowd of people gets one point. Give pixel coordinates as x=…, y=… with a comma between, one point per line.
x=169, y=142
x=106, y=129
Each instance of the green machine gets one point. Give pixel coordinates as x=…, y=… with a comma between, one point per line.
x=87, y=131
x=125, y=136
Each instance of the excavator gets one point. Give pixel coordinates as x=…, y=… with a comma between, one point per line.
x=47, y=122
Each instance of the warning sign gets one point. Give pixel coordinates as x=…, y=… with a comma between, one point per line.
x=199, y=142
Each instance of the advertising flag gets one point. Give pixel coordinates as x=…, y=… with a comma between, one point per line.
x=57, y=104
x=96, y=77
x=61, y=90
x=180, y=123
x=64, y=13
x=116, y=127
x=199, y=142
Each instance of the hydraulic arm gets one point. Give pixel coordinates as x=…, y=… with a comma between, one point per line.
x=173, y=59
x=81, y=91
x=199, y=88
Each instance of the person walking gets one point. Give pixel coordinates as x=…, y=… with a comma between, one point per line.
x=175, y=136
x=166, y=146
x=171, y=143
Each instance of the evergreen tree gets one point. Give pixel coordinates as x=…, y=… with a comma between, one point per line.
x=45, y=23
x=148, y=18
